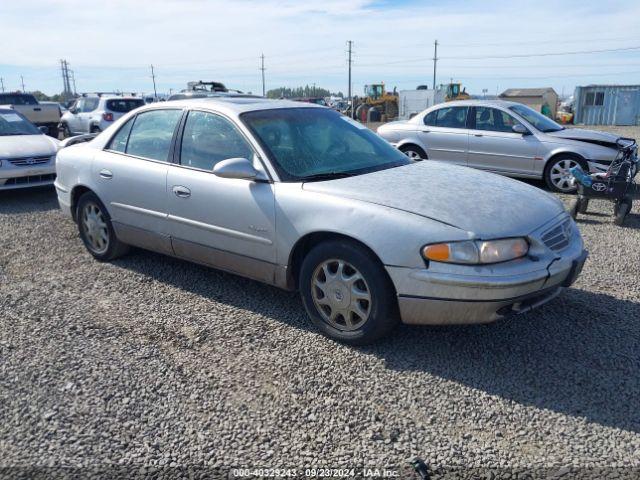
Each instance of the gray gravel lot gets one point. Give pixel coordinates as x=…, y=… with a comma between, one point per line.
x=151, y=361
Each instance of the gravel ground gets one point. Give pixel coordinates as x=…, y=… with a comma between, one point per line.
x=154, y=362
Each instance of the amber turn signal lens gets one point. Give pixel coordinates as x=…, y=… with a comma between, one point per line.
x=439, y=252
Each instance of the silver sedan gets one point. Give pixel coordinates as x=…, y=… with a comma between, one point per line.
x=298, y=196
x=502, y=137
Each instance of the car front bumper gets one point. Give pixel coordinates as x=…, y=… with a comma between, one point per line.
x=443, y=299
x=12, y=177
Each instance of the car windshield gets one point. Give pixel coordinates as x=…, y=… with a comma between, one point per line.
x=12, y=123
x=318, y=143
x=539, y=121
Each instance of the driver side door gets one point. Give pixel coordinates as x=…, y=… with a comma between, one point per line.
x=222, y=222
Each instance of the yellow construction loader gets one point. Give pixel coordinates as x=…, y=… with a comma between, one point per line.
x=376, y=96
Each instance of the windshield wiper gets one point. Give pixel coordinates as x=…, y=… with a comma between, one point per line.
x=327, y=176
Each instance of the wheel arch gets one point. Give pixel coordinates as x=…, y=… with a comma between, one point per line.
x=411, y=141
x=76, y=193
x=563, y=153
x=308, y=241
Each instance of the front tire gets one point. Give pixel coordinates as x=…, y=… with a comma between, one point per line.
x=557, y=173
x=347, y=293
x=414, y=152
x=96, y=230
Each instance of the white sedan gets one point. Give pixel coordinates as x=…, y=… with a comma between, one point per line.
x=27, y=155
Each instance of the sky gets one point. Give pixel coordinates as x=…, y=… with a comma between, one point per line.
x=486, y=45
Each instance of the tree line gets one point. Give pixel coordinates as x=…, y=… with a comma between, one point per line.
x=301, y=92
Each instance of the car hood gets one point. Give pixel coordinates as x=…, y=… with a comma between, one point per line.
x=18, y=146
x=590, y=136
x=483, y=204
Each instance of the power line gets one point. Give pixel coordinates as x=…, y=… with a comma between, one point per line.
x=485, y=57
x=549, y=54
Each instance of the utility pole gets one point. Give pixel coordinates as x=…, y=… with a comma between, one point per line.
x=350, y=45
x=73, y=80
x=153, y=76
x=262, y=69
x=2, y=83
x=22, y=81
x=435, y=61
x=66, y=82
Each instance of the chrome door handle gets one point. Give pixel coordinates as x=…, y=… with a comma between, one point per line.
x=182, y=192
x=106, y=174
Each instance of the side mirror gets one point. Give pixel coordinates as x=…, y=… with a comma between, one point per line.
x=44, y=129
x=521, y=129
x=235, y=168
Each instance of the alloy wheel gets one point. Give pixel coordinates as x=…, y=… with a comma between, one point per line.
x=95, y=228
x=413, y=155
x=341, y=294
x=560, y=175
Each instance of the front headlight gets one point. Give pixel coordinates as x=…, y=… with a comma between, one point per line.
x=477, y=252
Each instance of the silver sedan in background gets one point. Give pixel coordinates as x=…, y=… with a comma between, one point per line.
x=502, y=137
x=27, y=154
x=301, y=197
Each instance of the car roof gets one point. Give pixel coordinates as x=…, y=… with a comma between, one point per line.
x=479, y=102
x=233, y=105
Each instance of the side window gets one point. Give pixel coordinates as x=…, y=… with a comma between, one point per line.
x=494, y=120
x=79, y=105
x=452, y=117
x=209, y=139
x=90, y=104
x=118, y=142
x=599, y=99
x=430, y=118
x=152, y=133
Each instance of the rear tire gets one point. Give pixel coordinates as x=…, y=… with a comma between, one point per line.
x=414, y=152
x=96, y=229
x=347, y=293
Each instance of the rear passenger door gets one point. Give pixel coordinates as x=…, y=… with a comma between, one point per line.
x=445, y=134
x=84, y=117
x=130, y=177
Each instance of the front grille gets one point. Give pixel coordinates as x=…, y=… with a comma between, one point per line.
x=558, y=237
x=29, y=161
x=30, y=179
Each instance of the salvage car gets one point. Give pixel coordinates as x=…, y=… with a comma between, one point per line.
x=301, y=197
x=27, y=155
x=502, y=137
x=95, y=113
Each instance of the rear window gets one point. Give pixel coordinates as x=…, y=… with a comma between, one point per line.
x=124, y=105
x=17, y=99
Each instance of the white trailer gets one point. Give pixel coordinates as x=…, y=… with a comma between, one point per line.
x=411, y=102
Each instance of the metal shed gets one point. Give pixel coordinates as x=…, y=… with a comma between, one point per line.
x=533, y=97
x=607, y=105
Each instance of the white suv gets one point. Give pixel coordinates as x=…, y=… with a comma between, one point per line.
x=94, y=113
